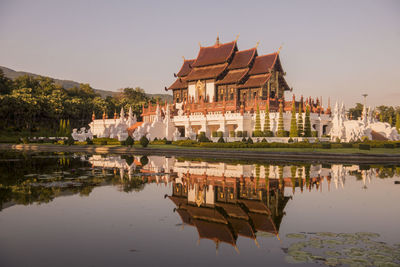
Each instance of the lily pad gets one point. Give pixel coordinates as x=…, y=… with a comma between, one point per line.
x=333, y=253
x=385, y=264
x=326, y=234
x=297, y=246
x=317, y=258
x=299, y=236
x=367, y=235
x=332, y=242
x=332, y=262
x=380, y=257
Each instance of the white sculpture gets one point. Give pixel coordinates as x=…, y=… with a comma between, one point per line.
x=81, y=135
x=354, y=130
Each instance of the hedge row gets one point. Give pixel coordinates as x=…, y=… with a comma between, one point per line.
x=248, y=143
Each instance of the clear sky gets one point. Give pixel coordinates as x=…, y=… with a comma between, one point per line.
x=339, y=49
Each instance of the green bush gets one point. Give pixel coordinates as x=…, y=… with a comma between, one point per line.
x=103, y=142
x=25, y=140
x=268, y=134
x=221, y=140
x=239, y=134
x=144, y=141
x=388, y=145
x=232, y=134
x=168, y=142
x=250, y=141
x=258, y=133
x=364, y=146
x=326, y=145
x=244, y=140
x=144, y=160
x=347, y=145
x=70, y=140
x=88, y=141
x=186, y=143
x=214, y=134
x=122, y=143
x=364, y=139
x=202, y=137
x=290, y=140
x=314, y=134
x=129, y=141
x=220, y=134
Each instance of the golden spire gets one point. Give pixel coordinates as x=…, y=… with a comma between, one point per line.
x=183, y=58
x=200, y=44
x=237, y=37
x=279, y=50
x=217, y=41
x=257, y=44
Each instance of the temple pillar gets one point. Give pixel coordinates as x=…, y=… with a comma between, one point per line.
x=222, y=127
x=320, y=127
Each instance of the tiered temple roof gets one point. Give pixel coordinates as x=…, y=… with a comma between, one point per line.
x=227, y=65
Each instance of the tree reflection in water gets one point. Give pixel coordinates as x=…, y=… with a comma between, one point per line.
x=222, y=200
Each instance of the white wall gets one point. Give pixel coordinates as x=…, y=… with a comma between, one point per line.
x=210, y=90
x=192, y=90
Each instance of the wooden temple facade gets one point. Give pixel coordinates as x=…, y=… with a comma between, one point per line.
x=221, y=90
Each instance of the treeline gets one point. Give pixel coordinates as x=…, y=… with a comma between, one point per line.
x=37, y=105
x=387, y=114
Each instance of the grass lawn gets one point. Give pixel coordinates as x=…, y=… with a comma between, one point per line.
x=317, y=150
x=391, y=151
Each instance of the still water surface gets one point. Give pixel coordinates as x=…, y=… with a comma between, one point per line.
x=92, y=210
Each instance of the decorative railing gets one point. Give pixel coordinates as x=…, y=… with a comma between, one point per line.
x=235, y=106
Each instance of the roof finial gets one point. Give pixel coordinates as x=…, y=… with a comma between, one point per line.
x=279, y=50
x=183, y=58
x=217, y=41
x=199, y=44
x=257, y=44
x=237, y=37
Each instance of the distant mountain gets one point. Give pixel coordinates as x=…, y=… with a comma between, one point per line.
x=12, y=74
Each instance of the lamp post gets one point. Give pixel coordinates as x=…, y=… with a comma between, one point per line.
x=364, y=113
x=365, y=99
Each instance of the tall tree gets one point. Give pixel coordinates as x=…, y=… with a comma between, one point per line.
x=293, y=122
x=281, y=129
x=398, y=122
x=307, y=123
x=257, y=127
x=356, y=112
x=5, y=84
x=267, y=124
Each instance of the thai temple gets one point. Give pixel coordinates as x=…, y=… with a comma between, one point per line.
x=225, y=91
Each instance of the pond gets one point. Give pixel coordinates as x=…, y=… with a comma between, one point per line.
x=60, y=209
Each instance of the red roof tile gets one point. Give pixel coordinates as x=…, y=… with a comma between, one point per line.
x=215, y=231
x=242, y=59
x=180, y=83
x=186, y=68
x=216, y=54
x=263, y=64
x=233, y=76
x=206, y=72
x=255, y=81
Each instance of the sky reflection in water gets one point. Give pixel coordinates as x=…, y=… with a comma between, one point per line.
x=92, y=210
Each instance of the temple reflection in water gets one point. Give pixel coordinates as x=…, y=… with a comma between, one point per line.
x=224, y=201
